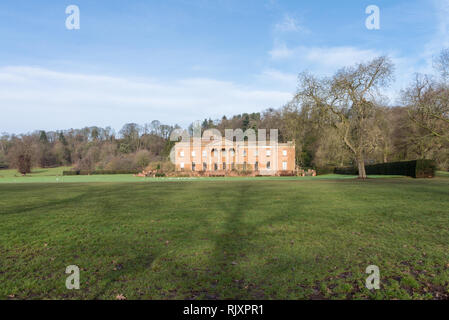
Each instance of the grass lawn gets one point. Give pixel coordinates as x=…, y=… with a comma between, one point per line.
x=225, y=238
x=54, y=175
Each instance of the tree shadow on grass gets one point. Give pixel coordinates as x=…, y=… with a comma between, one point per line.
x=233, y=245
x=234, y=256
x=51, y=205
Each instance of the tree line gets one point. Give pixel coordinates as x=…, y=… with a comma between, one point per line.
x=339, y=120
x=133, y=148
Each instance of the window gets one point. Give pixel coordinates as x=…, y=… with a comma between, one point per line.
x=256, y=166
x=284, y=152
x=244, y=153
x=284, y=165
x=268, y=153
x=204, y=154
x=182, y=165
x=268, y=165
x=193, y=166
x=204, y=166
x=181, y=153
x=256, y=153
x=215, y=166
x=232, y=152
x=224, y=165
x=223, y=152
x=193, y=153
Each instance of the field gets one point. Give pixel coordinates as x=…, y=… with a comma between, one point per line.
x=275, y=238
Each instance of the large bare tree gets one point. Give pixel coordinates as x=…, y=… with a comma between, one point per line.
x=428, y=106
x=348, y=101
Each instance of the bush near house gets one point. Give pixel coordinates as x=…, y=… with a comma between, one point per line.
x=325, y=170
x=415, y=169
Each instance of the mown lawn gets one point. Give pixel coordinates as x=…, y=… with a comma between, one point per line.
x=226, y=239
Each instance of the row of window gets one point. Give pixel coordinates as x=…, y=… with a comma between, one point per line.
x=232, y=152
x=224, y=167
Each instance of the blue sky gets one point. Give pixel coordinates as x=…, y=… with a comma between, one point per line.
x=178, y=61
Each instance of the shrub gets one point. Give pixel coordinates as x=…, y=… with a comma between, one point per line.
x=287, y=173
x=325, y=170
x=165, y=167
x=142, y=159
x=346, y=170
x=122, y=162
x=24, y=163
x=425, y=169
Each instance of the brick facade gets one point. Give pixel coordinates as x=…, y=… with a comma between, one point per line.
x=224, y=155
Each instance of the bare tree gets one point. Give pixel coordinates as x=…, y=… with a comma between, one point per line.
x=441, y=64
x=348, y=102
x=428, y=106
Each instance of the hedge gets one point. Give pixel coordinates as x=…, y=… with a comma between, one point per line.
x=325, y=170
x=94, y=172
x=414, y=169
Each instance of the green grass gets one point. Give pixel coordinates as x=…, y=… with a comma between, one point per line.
x=226, y=238
x=35, y=173
x=54, y=175
x=443, y=174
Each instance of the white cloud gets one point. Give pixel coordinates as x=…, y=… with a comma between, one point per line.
x=440, y=38
x=280, y=51
x=442, y=8
x=326, y=61
x=289, y=24
x=323, y=58
x=281, y=77
x=35, y=98
x=336, y=57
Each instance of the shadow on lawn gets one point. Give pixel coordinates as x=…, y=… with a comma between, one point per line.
x=51, y=205
x=232, y=246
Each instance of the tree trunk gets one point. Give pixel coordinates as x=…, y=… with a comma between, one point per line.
x=361, y=166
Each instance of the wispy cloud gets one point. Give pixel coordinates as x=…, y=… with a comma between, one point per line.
x=36, y=98
x=290, y=24
x=440, y=38
x=280, y=76
x=442, y=7
x=322, y=57
x=280, y=51
x=335, y=57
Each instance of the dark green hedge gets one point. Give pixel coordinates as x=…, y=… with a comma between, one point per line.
x=325, y=170
x=85, y=172
x=415, y=169
x=346, y=170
